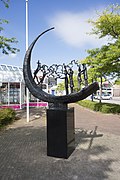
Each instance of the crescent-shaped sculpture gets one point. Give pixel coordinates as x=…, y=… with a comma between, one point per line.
x=40, y=94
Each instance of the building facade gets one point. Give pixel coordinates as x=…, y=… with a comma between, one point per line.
x=12, y=87
x=13, y=90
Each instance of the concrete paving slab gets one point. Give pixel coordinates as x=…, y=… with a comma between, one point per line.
x=23, y=150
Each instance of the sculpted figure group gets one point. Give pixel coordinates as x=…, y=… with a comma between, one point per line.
x=65, y=72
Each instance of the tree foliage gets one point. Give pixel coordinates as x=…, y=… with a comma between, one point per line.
x=117, y=82
x=6, y=3
x=61, y=86
x=106, y=60
x=108, y=23
x=5, y=42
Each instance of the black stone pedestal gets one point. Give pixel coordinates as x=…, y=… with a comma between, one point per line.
x=60, y=132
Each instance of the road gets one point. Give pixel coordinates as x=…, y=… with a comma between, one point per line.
x=114, y=100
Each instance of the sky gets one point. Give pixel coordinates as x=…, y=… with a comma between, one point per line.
x=69, y=40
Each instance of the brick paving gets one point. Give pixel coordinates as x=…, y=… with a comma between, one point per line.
x=88, y=119
x=23, y=149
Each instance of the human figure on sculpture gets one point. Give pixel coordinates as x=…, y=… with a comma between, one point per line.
x=66, y=78
x=36, y=71
x=79, y=77
x=85, y=74
x=71, y=79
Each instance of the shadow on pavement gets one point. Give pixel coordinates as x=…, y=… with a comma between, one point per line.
x=23, y=156
x=34, y=111
x=82, y=134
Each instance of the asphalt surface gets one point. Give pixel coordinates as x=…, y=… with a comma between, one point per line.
x=114, y=100
x=96, y=157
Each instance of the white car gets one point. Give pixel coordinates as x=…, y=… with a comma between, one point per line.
x=105, y=97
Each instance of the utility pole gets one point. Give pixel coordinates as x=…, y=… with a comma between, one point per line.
x=27, y=91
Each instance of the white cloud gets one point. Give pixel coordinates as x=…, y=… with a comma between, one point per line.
x=73, y=28
x=11, y=59
x=12, y=55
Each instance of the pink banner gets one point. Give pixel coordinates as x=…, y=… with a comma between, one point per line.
x=31, y=104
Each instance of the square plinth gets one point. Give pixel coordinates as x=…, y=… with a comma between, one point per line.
x=60, y=132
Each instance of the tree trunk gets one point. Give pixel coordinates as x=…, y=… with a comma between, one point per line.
x=92, y=96
x=100, y=89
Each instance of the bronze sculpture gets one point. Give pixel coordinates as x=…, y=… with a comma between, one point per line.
x=60, y=119
x=37, y=92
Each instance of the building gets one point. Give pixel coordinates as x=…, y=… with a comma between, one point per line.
x=116, y=90
x=13, y=90
x=109, y=89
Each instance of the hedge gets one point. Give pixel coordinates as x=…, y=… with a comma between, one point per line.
x=7, y=115
x=102, y=107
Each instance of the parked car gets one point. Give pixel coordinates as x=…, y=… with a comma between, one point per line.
x=105, y=97
x=95, y=97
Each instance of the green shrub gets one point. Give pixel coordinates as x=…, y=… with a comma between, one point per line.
x=7, y=115
x=102, y=107
x=106, y=109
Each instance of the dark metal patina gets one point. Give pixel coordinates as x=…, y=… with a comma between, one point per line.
x=40, y=94
x=60, y=118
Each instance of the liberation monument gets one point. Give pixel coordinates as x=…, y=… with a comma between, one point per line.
x=60, y=118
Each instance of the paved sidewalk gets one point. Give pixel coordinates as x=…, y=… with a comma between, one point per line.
x=23, y=149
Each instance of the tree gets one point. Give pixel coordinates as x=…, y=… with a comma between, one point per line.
x=105, y=61
x=117, y=82
x=61, y=86
x=5, y=42
x=107, y=25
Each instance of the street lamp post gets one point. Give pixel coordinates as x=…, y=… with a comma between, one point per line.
x=27, y=92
